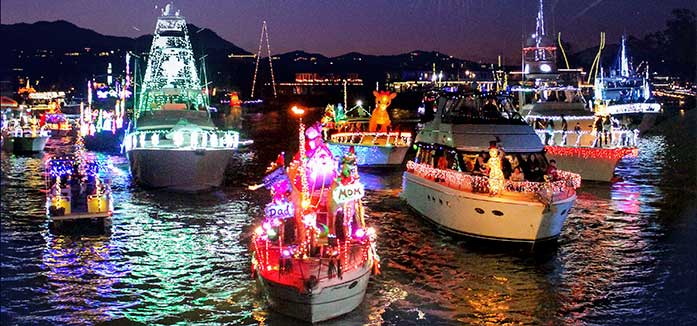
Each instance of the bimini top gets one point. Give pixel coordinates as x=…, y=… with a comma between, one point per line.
x=469, y=122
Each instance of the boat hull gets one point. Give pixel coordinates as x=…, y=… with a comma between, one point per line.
x=591, y=169
x=371, y=156
x=184, y=170
x=322, y=303
x=26, y=144
x=483, y=216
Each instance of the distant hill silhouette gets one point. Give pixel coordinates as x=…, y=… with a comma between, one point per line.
x=63, y=35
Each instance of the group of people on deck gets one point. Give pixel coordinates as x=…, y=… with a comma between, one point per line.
x=516, y=167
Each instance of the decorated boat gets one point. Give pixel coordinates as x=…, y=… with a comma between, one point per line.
x=75, y=189
x=313, y=253
x=580, y=138
x=103, y=120
x=23, y=135
x=581, y=141
x=374, y=140
x=625, y=92
x=173, y=143
x=481, y=171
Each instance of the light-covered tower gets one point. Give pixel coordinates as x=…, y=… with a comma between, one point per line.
x=171, y=74
x=540, y=52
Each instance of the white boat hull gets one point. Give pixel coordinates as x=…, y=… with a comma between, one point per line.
x=184, y=170
x=483, y=216
x=371, y=156
x=590, y=169
x=330, y=299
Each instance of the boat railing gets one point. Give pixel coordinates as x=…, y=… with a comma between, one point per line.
x=563, y=186
x=373, y=138
x=184, y=139
x=584, y=138
x=277, y=262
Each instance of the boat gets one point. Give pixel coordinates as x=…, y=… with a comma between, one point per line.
x=23, y=135
x=173, y=143
x=572, y=138
x=313, y=253
x=625, y=93
x=103, y=121
x=579, y=137
x=451, y=183
x=74, y=188
x=376, y=144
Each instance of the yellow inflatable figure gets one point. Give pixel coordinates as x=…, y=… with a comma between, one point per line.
x=380, y=116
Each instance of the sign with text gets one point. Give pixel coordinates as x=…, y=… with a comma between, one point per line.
x=276, y=176
x=344, y=193
x=282, y=210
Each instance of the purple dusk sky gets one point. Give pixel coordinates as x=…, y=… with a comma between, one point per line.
x=470, y=29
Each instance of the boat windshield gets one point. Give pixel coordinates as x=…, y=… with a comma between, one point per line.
x=475, y=109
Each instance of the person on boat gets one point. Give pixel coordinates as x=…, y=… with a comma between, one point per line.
x=550, y=132
x=577, y=131
x=598, y=132
x=490, y=110
x=552, y=169
x=517, y=175
x=564, y=128
x=442, y=162
x=607, y=130
x=56, y=188
x=513, y=161
x=506, y=167
x=480, y=167
x=534, y=168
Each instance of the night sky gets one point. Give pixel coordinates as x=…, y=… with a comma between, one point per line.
x=470, y=29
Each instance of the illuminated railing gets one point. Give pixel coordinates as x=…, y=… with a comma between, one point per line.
x=279, y=264
x=373, y=138
x=183, y=140
x=620, y=138
x=22, y=132
x=634, y=108
x=562, y=187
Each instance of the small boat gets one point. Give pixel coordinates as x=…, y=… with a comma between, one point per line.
x=313, y=253
x=373, y=141
x=27, y=139
x=480, y=171
x=75, y=189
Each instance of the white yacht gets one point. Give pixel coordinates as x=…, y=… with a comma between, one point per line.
x=173, y=143
x=588, y=141
x=452, y=184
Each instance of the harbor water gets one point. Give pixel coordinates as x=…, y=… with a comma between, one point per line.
x=625, y=256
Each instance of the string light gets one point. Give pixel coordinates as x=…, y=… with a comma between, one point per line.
x=567, y=182
x=593, y=152
x=264, y=33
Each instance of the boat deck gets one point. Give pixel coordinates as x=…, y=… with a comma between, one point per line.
x=80, y=215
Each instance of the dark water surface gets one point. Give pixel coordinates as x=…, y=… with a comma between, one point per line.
x=626, y=255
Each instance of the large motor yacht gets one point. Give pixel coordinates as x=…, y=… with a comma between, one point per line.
x=173, y=143
x=466, y=176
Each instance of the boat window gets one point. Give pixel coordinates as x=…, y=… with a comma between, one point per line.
x=532, y=165
x=473, y=109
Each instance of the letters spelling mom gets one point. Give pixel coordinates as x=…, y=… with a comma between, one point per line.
x=344, y=193
x=280, y=210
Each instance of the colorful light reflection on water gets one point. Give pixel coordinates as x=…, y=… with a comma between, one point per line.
x=624, y=256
